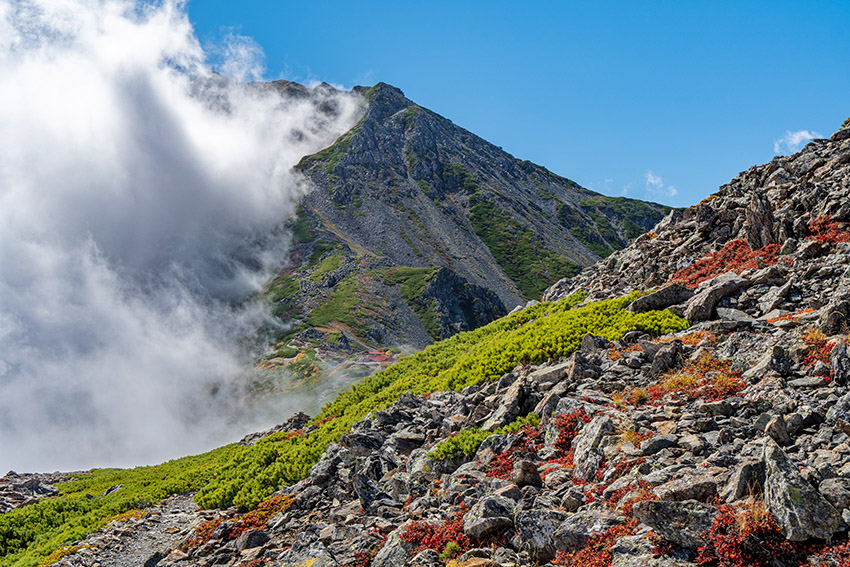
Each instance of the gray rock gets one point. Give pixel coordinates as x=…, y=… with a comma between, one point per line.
x=799, y=510
x=746, y=480
x=489, y=516
x=701, y=306
x=836, y=491
x=775, y=428
x=575, y=530
x=666, y=358
x=839, y=363
x=395, y=551
x=690, y=487
x=535, y=532
x=251, y=539
x=586, y=454
x=677, y=522
x=510, y=406
x=774, y=360
x=426, y=558
x=525, y=473
x=661, y=299
x=657, y=443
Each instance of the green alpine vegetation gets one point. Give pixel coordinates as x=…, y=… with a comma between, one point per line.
x=517, y=250
x=245, y=476
x=413, y=282
x=468, y=441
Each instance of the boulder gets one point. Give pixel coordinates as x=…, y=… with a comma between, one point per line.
x=701, y=306
x=801, y=512
x=575, y=530
x=489, y=516
x=677, y=522
x=535, y=530
x=585, y=446
x=663, y=298
x=395, y=551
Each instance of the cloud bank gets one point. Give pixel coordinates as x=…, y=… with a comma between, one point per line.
x=141, y=200
x=792, y=142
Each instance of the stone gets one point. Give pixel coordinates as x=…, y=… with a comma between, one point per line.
x=666, y=358
x=774, y=360
x=661, y=299
x=775, y=428
x=252, y=538
x=701, y=306
x=677, y=522
x=585, y=446
x=839, y=363
x=525, y=473
x=836, y=491
x=690, y=487
x=535, y=531
x=801, y=512
x=489, y=516
x=510, y=406
x=395, y=551
x=575, y=530
x=746, y=479
x=657, y=443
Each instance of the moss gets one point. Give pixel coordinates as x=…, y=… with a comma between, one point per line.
x=339, y=307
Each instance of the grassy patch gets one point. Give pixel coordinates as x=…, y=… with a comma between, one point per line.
x=413, y=282
x=326, y=266
x=467, y=441
x=339, y=307
x=517, y=250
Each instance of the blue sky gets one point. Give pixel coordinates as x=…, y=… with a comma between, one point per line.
x=657, y=100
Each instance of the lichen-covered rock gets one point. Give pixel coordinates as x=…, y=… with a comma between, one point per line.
x=395, y=551
x=586, y=454
x=535, y=530
x=799, y=510
x=575, y=530
x=681, y=523
x=701, y=306
x=491, y=515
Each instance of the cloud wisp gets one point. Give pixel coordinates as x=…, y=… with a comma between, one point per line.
x=656, y=189
x=792, y=142
x=141, y=200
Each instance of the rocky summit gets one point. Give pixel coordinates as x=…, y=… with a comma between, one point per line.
x=685, y=401
x=415, y=229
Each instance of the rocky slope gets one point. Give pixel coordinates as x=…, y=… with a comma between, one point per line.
x=408, y=189
x=726, y=444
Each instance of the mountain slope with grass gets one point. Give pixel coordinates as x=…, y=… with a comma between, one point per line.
x=415, y=229
x=702, y=419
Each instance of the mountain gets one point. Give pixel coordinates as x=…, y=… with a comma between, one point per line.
x=694, y=413
x=415, y=229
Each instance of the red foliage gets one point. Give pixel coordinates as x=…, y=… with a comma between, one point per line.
x=253, y=520
x=746, y=536
x=828, y=231
x=835, y=556
x=426, y=535
x=530, y=441
x=567, y=425
x=624, y=466
x=598, y=551
x=819, y=348
x=735, y=256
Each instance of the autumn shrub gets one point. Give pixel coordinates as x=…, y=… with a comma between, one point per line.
x=529, y=442
x=567, y=425
x=818, y=347
x=735, y=256
x=828, y=231
x=790, y=316
x=746, y=535
x=437, y=536
x=598, y=552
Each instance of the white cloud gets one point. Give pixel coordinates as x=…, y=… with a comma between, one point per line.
x=655, y=187
x=792, y=142
x=140, y=195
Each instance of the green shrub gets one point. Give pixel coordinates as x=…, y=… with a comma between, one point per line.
x=468, y=441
